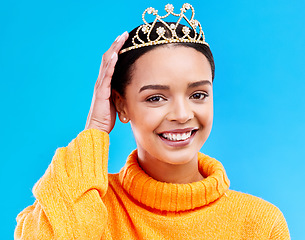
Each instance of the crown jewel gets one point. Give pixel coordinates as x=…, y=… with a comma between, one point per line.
x=147, y=28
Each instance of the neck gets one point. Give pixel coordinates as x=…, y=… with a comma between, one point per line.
x=171, y=173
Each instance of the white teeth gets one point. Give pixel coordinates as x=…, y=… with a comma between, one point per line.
x=177, y=136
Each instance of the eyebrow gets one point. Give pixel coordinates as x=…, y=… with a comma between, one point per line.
x=199, y=83
x=154, y=87
x=165, y=87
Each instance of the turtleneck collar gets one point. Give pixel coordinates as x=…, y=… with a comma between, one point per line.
x=175, y=197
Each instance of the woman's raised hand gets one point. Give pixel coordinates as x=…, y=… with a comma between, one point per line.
x=102, y=111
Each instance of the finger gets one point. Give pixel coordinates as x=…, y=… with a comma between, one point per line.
x=90, y=111
x=106, y=80
x=118, y=43
x=105, y=83
x=110, y=67
x=115, y=47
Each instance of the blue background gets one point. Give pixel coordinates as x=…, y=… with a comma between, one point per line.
x=50, y=52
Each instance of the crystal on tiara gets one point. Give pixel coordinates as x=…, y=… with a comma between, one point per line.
x=169, y=8
x=194, y=25
x=160, y=31
x=145, y=29
x=186, y=30
x=150, y=10
x=187, y=6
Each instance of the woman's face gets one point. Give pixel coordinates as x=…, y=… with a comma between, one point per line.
x=169, y=103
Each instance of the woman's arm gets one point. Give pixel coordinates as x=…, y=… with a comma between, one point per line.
x=69, y=204
x=69, y=196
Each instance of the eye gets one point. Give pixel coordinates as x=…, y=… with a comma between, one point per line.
x=155, y=98
x=199, y=95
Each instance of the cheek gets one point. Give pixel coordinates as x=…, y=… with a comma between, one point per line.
x=205, y=115
x=145, y=119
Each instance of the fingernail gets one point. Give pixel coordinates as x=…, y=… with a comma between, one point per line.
x=118, y=38
x=125, y=33
x=113, y=55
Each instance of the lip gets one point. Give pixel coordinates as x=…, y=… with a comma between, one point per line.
x=184, y=130
x=179, y=143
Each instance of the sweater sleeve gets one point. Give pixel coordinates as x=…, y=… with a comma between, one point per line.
x=69, y=196
x=280, y=229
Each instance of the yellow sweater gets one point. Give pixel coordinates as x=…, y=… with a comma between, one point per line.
x=77, y=199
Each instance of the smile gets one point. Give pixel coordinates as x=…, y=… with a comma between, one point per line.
x=179, y=137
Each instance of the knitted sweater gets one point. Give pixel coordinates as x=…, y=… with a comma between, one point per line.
x=77, y=199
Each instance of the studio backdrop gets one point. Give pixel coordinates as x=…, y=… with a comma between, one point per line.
x=50, y=52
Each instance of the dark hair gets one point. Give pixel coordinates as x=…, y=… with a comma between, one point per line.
x=124, y=66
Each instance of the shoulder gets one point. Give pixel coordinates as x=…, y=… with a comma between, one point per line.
x=254, y=209
x=256, y=213
x=250, y=202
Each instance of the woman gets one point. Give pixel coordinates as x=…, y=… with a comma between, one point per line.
x=160, y=79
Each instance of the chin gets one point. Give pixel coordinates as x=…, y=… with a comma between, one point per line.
x=179, y=157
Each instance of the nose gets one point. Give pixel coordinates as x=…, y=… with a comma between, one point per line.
x=180, y=111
